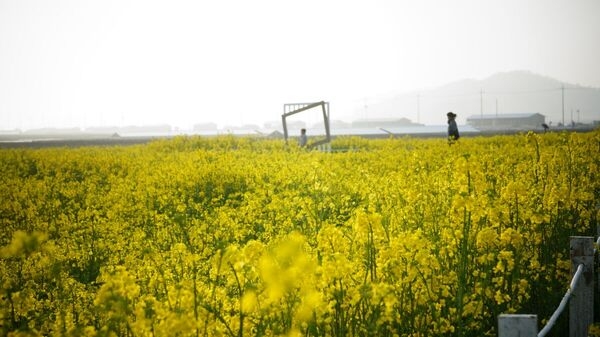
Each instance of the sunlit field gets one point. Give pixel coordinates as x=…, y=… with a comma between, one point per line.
x=234, y=236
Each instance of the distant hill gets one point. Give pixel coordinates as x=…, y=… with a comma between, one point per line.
x=502, y=93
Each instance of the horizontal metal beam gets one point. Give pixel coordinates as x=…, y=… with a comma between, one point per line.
x=310, y=106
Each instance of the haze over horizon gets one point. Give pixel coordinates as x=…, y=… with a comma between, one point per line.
x=82, y=63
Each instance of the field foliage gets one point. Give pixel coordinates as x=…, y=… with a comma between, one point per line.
x=234, y=236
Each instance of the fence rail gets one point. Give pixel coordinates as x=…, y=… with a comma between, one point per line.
x=579, y=296
x=563, y=303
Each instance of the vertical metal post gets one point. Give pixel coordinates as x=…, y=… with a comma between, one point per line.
x=581, y=304
x=285, y=132
x=326, y=120
x=510, y=325
x=597, y=245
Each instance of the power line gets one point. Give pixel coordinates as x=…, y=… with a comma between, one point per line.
x=519, y=92
x=503, y=92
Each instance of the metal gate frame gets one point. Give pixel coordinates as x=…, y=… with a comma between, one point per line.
x=300, y=107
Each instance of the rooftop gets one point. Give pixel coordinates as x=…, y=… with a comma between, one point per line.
x=504, y=116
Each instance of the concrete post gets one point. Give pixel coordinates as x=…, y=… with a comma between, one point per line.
x=510, y=325
x=581, y=304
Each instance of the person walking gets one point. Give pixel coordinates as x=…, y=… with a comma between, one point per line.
x=453, y=134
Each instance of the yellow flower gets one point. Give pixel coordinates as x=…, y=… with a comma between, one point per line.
x=249, y=302
x=487, y=238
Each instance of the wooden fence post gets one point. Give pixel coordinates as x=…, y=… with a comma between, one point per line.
x=581, y=304
x=510, y=325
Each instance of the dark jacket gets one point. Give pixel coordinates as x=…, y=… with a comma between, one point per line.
x=453, y=129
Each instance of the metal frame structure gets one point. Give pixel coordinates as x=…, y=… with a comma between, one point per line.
x=290, y=109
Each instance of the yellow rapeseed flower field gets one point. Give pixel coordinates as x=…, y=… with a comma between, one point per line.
x=234, y=236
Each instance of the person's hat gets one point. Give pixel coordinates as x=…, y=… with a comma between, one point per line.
x=451, y=114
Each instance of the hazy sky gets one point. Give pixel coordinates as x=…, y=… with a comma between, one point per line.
x=77, y=63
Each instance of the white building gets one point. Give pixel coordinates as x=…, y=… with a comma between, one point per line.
x=518, y=121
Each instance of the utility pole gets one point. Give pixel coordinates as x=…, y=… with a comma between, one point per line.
x=418, y=108
x=481, y=102
x=496, y=108
x=496, y=119
x=563, y=105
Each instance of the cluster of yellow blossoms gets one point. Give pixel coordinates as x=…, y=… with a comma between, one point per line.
x=233, y=236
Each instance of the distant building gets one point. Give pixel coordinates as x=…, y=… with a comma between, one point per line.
x=516, y=121
x=272, y=124
x=54, y=131
x=275, y=135
x=242, y=127
x=295, y=125
x=205, y=127
x=383, y=123
x=338, y=124
x=158, y=128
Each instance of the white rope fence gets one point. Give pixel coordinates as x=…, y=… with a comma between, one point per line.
x=563, y=302
x=565, y=299
x=579, y=295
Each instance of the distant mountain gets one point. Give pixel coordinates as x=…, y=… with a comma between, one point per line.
x=502, y=93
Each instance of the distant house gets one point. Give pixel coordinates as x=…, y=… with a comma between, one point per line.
x=338, y=124
x=205, y=127
x=158, y=128
x=515, y=121
x=383, y=122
